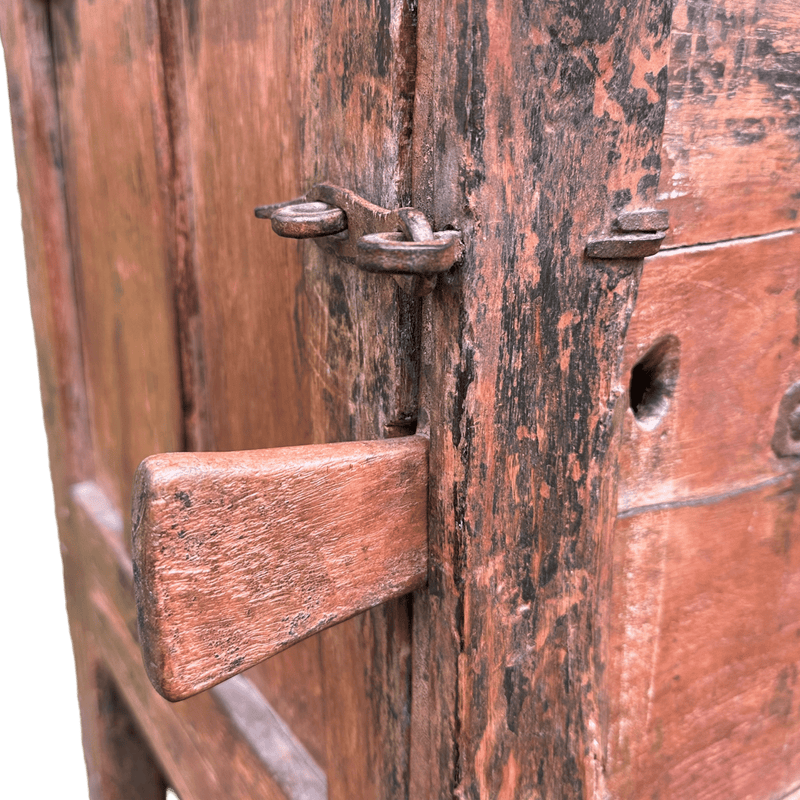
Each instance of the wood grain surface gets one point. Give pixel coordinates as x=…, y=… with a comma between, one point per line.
x=734, y=311
x=240, y=280
x=120, y=764
x=237, y=282
x=189, y=737
x=45, y=225
x=322, y=91
x=117, y=231
x=534, y=126
x=733, y=116
x=705, y=644
x=554, y=654
x=354, y=67
x=239, y=555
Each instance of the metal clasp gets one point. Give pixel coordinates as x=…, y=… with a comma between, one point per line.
x=397, y=242
x=635, y=234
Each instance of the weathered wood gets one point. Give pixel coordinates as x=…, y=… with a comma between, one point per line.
x=117, y=220
x=230, y=163
x=705, y=643
x=290, y=765
x=205, y=756
x=303, y=712
x=239, y=555
x=535, y=128
x=731, y=137
x=237, y=56
x=354, y=72
x=535, y=125
x=732, y=312
x=119, y=763
x=189, y=737
x=174, y=151
x=40, y=179
x=131, y=769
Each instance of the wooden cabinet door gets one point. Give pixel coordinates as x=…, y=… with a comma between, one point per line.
x=579, y=555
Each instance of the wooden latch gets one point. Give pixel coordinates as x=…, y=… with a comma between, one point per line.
x=239, y=555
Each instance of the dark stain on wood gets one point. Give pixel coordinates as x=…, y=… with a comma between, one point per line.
x=733, y=89
x=518, y=371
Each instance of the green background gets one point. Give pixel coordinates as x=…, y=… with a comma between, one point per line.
x=42, y=756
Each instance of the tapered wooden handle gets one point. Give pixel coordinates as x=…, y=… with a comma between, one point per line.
x=239, y=555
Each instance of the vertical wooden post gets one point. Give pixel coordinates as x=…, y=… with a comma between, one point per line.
x=546, y=119
x=356, y=65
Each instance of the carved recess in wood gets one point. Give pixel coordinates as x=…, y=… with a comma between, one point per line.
x=239, y=555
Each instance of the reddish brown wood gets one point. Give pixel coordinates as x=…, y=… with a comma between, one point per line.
x=174, y=151
x=355, y=68
x=240, y=555
x=117, y=228
x=40, y=179
x=119, y=763
x=298, y=91
x=730, y=139
x=733, y=314
x=705, y=643
x=130, y=769
x=231, y=166
x=235, y=56
x=535, y=125
x=189, y=737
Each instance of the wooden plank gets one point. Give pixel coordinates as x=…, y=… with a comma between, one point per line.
x=118, y=760
x=240, y=56
x=135, y=770
x=289, y=763
x=731, y=149
x=534, y=125
x=221, y=168
x=322, y=91
x=355, y=70
x=733, y=312
x=189, y=737
x=355, y=75
x=705, y=643
x=118, y=236
x=240, y=555
x=304, y=712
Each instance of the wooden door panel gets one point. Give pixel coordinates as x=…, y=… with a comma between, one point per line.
x=118, y=235
x=703, y=640
x=118, y=761
x=555, y=653
x=354, y=67
x=240, y=282
x=705, y=645
x=45, y=225
x=239, y=57
x=729, y=156
x=734, y=312
x=321, y=349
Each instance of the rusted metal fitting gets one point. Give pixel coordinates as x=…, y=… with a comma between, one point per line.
x=308, y=220
x=786, y=439
x=399, y=242
x=635, y=234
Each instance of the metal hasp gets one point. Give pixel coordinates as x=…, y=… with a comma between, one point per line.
x=635, y=234
x=397, y=242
